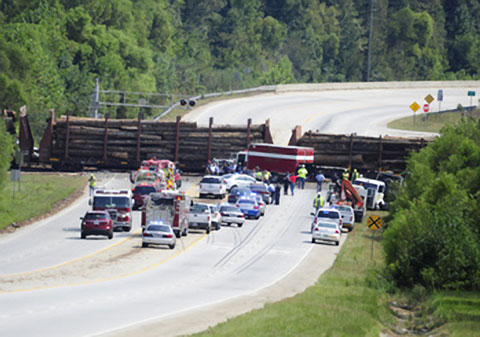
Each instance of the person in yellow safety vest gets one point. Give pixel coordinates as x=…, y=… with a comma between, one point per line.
x=258, y=174
x=355, y=175
x=345, y=174
x=318, y=202
x=92, y=182
x=266, y=176
x=302, y=176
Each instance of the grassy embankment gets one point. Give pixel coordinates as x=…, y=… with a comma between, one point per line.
x=345, y=301
x=38, y=194
x=433, y=123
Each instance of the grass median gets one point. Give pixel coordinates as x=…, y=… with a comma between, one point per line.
x=39, y=193
x=345, y=301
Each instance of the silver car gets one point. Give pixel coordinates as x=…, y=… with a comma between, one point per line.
x=216, y=217
x=328, y=214
x=232, y=214
x=326, y=231
x=348, y=217
x=157, y=233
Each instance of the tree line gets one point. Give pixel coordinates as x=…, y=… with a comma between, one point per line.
x=51, y=51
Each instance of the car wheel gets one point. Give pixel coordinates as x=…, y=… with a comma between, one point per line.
x=337, y=243
x=171, y=246
x=350, y=229
x=83, y=235
x=257, y=217
x=177, y=234
x=185, y=232
x=110, y=235
x=240, y=224
x=313, y=240
x=202, y=196
x=208, y=230
x=144, y=245
x=127, y=229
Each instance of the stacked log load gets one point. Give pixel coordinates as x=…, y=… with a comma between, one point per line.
x=86, y=139
x=366, y=153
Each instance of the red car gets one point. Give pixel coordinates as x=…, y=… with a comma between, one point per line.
x=140, y=192
x=97, y=223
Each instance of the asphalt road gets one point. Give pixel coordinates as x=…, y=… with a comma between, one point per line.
x=365, y=112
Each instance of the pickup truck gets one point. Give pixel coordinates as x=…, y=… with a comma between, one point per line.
x=200, y=217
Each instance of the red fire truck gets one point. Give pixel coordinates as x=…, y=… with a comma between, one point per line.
x=274, y=158
x=170, y=207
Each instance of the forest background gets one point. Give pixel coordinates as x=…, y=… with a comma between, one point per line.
x=51, y=51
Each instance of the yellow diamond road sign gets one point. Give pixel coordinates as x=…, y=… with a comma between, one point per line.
x=429, y=99
x=414, y=106
x=374, y=222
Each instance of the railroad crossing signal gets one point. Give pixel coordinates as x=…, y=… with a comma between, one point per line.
x=414, y=106
x=429, y=99
x=374, y=222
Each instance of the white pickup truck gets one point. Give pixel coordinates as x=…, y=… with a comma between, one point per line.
x=200, y=217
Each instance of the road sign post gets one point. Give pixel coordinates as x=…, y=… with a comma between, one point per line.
x=439, y=99
x=414, y=106
x=374, y=222
x=471, y=93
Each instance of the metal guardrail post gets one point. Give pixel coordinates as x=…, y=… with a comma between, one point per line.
x=210, y=124
x=177, y=138
x=105, y=137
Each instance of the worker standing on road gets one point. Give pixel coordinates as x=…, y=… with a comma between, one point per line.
x=345, y=174
x=92, y=182
x=355, y=175
x=276, y=194
x=293, y=180
x=302, y=176
x=286, y=184
x=318, y=202
x=319, y=179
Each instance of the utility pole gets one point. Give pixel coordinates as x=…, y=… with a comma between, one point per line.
x=370, y=41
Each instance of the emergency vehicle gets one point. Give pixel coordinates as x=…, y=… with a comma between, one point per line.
x=118, y=203
x=275, y=158
x=169, y=207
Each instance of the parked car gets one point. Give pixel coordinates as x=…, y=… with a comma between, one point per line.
x=236, y=193
x=240, y=180
x=259, y=200
x=326, y=231
x=200, y=217
x=212, y=185
x=156, y=233
x=327, y=214
x=216, y=216
x=262, y=190
x=232, y=214
x=96, y=223
x=249, y=207
x=347, y=214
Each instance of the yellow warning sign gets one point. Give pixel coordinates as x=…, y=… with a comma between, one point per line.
x=374, y=222
x=429, y=99
x=414, y=106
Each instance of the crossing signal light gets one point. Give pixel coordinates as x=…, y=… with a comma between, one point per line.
x=191, y=102
x=183, y=102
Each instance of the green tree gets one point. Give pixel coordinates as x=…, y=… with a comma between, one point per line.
x=6, y=152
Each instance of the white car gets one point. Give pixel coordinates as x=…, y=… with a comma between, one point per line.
x=216, y=217
x=200, y=217
x=328, y=214
x=212, y=185
x=157, y=233
x=348, y=217
x=326, y=231
x=232, y=214
x=240, y=180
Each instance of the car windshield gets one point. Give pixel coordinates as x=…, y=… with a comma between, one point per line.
x=229, y=209
x=239, y=191
x=343, y=208
x=198, y=208
x=210, y=180
x=246, y=201
x=95, y=216
x=162, y=201
x=328, y=214
x=327, y=225
x=144, y=190
x=259, y=188
x=158, y=228
x=113, y=202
